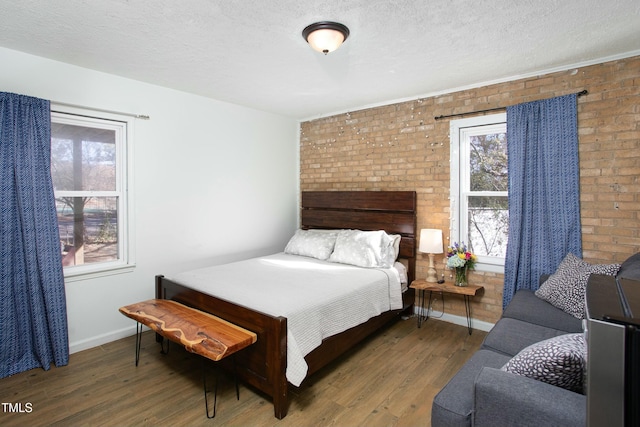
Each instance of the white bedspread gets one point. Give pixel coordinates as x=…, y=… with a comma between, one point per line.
x=318, y=298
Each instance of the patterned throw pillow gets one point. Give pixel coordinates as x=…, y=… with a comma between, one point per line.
x=312, y=243
x=559, y=361
x=566, y=288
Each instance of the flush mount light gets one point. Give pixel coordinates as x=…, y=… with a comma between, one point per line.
x=325, y=36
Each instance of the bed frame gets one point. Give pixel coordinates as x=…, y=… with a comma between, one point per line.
x=263, y=365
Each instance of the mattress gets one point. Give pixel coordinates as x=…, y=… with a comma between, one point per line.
x=318, y=298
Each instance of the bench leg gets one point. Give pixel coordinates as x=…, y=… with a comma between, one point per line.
x=215, y=390
x=138, y=341
x=235, y=375
x=215, y=386
x=162, y=350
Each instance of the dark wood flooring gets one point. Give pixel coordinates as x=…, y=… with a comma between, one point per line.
x=389, y=380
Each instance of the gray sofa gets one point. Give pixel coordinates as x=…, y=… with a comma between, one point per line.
x=481, y=394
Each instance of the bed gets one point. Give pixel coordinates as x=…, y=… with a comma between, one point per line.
x=264, y=364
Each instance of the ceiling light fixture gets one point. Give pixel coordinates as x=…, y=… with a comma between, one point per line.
x=325, y=36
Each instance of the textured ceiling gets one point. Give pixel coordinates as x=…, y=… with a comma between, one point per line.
x=253, y=54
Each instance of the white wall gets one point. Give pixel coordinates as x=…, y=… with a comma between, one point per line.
x=196, y=161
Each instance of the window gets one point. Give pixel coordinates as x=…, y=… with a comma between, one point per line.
x=89, y=169
x=479, y=198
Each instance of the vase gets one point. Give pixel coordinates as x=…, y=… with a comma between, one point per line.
x=460, y=278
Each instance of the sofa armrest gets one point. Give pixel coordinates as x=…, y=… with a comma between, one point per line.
x=506, y=399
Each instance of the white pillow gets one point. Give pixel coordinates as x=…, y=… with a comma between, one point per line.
x=312, y=243
x=396, y=244
x=402, y=272
x=389, y=249
x=364, y=249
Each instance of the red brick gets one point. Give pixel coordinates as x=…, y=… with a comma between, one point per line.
x=402, y=147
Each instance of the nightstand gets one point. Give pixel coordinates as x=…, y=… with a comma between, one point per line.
x=466, y=291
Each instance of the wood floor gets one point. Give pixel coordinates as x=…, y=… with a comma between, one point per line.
x=390, y=380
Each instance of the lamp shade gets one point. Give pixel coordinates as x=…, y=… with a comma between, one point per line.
x=430, y=241
x=325, y=36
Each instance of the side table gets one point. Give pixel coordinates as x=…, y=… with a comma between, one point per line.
x=466, y=291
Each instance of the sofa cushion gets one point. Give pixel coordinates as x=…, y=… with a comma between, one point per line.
x=558, y=361
x=526, y=306
x=504, y=399
x=453, y=405
x=630, y=269
x=566, y=287
x=509, y=336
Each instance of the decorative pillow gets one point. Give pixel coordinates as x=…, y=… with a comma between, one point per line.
x=566, y=288
x=559, y=361
x=312, y=243
x=363, y=248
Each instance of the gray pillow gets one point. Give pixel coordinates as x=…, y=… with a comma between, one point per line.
x=566, y=288
x=559, y=361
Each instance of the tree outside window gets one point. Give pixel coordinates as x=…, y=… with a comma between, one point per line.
x=488, y=212
x=87, y=167
x=479, y=185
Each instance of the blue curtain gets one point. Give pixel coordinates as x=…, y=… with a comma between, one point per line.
x=33, y=315
x=544, y=192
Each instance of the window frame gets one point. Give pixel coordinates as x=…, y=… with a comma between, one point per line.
x=459, y=182
x=123, y=126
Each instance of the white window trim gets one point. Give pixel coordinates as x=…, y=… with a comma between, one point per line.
x=124, y=172
x=456, y=226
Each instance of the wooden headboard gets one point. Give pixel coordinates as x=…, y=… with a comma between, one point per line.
x=392, y=211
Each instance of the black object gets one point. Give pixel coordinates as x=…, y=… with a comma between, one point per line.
x=613, y=343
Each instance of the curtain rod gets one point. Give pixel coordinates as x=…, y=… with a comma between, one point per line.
x=64, y=104
x=583, y=92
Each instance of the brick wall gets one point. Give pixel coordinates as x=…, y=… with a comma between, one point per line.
x=402, y=147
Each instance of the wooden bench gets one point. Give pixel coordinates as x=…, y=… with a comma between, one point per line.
x=199, y=332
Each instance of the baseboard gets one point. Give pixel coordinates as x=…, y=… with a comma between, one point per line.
x=96, y=341
x=457, y=320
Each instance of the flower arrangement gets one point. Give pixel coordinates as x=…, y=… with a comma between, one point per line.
x=460, y=259
x=459, y=256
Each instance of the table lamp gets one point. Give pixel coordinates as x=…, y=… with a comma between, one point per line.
x=431, y=243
